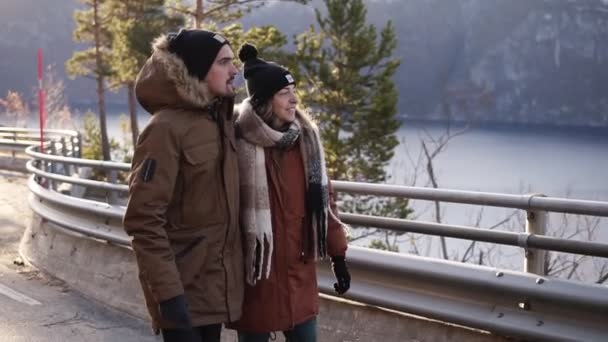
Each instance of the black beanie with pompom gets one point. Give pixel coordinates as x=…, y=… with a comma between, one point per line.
x=264, y=79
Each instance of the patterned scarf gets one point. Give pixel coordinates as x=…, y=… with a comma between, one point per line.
x=256, y=221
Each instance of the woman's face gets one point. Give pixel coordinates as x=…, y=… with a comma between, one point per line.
x=284, y=105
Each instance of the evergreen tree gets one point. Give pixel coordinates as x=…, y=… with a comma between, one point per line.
x=92, y=28
x=347, y=83
x=92, y=146
x=219, y=12
x=134, y=25
x=345, y=73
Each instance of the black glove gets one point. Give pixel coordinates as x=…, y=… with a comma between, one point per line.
x=175, y=310
x=338, y=265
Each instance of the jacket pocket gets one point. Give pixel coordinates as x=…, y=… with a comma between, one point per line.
x=202, y=155
x=187, y=248
x=202, y=200
x=190, y=260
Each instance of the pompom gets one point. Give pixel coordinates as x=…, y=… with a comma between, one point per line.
x=248, y=52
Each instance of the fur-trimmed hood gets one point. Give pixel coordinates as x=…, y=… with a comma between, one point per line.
x=164, y=82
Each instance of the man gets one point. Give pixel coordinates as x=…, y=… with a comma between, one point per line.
x=183, y=191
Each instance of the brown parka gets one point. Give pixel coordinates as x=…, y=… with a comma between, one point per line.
x=183, y=204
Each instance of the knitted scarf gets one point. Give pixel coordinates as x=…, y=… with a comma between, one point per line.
x=255, y=135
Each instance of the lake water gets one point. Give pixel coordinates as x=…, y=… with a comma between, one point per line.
x=558, y=162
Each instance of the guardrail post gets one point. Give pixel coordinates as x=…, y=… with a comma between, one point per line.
x=74, y=152
x=42, y=165
x=64, y=152
x=73, y=141
x=536, y=223
x=52, y=184
x=112, y=196
x=15, y=140
x=79, y=145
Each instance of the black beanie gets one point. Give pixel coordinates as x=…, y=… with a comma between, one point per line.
x=264, y=78
x=197, y=49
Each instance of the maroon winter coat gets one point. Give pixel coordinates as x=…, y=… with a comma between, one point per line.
x=290, y=295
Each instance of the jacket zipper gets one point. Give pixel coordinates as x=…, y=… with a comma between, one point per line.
x=223, y=143
x=282, y=204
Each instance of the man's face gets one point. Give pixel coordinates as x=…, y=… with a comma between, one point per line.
x=220, y=77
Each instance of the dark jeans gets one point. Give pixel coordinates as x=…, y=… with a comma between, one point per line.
x=304, y=332
x=204, y=333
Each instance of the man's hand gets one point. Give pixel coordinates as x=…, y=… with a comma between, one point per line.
x=338, y=265
x=175, y=310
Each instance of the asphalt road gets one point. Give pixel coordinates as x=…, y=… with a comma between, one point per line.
x=37, y=307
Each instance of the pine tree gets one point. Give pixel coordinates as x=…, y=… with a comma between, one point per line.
x=217, y=12
x=134, y=25
x=347, y=82
x=92, y=28
x=346, y=79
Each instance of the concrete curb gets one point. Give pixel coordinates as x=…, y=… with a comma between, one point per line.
x=99, y=270
x=13, y=163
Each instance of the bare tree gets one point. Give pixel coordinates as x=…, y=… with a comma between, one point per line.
x=100, y=80
x=16, y=110
x=59, y=113
x=432, y=148
x=574, y=266
x=91, y=28
x=423, y=172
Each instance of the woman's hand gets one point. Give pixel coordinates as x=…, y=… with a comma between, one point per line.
x=338, y=265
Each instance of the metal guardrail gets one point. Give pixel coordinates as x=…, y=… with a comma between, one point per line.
x=88, y=218
x=33, y=151
x=518, y=304
x=17, y=139
x=523, y=240
x=507, y=303
x=78, y=181
x=529, y=202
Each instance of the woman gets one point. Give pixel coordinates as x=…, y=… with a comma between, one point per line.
x=287, y=214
